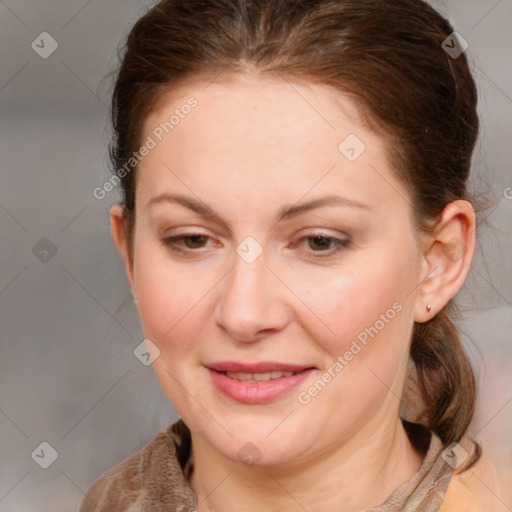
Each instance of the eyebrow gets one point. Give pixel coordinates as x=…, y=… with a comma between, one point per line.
x=286, y=212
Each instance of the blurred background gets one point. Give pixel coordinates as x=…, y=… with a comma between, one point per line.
x=73, y=397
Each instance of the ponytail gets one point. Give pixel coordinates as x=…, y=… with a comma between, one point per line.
x=445, y=379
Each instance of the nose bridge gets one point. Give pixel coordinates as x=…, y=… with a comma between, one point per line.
x=248, y=304
x=246, y=285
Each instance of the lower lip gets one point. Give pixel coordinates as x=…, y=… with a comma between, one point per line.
x=257, y=392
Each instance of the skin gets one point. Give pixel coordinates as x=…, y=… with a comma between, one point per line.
x=251, y=146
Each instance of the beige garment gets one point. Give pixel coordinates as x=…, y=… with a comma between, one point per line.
x=154, y=479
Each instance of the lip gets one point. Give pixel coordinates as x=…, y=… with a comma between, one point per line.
x=258, y=392
x=261, y=367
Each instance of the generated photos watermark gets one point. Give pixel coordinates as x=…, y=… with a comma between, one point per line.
x=356, y=346
x=150, y=143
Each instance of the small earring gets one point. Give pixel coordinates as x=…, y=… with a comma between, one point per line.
x=135, y=301
x=429, y=307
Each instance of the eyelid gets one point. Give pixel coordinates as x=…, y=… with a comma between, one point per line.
x=186, y=232
x=328, y=233
x=322, y=232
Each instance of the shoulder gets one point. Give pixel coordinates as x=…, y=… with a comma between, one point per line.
x=124, y=486
x=485, y=487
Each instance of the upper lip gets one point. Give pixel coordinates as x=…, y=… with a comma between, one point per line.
x=261, y=367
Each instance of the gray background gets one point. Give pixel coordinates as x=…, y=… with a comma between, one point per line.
x=68, y=375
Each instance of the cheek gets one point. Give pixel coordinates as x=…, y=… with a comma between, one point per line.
x=172, y=302
x=348, y=304
x=366, y=356
x=365, y=313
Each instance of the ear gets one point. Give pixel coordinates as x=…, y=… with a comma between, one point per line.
x=117, y=230
x=447, y=257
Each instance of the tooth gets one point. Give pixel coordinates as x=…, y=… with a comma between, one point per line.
x=261, y=376
x=244, y=376
x=239, y=376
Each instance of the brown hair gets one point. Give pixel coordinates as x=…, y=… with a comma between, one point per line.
x=388, y=56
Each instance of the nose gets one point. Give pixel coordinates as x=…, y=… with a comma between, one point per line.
x=253, y=301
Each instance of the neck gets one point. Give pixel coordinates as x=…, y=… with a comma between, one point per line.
x=356, y=475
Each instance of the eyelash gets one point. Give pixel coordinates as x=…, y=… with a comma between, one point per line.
x=339, y=244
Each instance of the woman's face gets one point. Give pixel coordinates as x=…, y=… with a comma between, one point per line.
x=329, y=286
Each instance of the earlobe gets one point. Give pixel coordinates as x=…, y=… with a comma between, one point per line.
x=448, y=259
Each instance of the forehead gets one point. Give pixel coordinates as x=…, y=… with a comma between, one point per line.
x=268, y=108
x=253, y=134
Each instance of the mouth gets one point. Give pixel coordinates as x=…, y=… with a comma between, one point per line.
x=259, y=377
x=255, y=368
x=256, y=387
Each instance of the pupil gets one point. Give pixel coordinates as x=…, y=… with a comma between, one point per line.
x=195, y=239
x=319, y=239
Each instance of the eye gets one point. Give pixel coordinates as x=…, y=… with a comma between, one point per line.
x=319, y=244
x=192, y=241
x=327, y=245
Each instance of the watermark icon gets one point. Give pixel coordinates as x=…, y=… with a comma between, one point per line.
x=352, y=147
x=508, y=193
x=44, y=45
x=454, y=249
x=45, y=455
x=146, y=352
x=44, y=250
x=151, y=142
x=249, y=250
x=454, y=455
x=304, y=397
x=249, y=454
x=454, y=45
